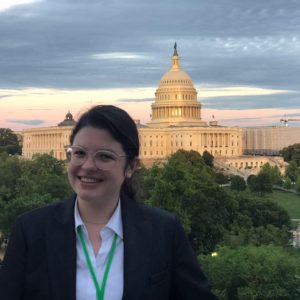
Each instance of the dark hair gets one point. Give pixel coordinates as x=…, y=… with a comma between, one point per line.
x=120, y=125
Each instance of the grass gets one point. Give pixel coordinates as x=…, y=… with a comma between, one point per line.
x=289, y=201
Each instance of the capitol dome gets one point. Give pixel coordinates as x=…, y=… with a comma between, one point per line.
x=175, y=75
x=176, y=99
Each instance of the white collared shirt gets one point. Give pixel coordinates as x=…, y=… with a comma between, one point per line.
x=85, y=289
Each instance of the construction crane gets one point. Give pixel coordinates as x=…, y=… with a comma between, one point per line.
x=286, y=121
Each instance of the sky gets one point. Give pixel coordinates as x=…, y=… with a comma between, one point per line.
x=67, y=55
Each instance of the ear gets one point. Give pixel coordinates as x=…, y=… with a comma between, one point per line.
x=132, y=167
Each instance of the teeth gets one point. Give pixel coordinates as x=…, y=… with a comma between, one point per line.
x=88, y=179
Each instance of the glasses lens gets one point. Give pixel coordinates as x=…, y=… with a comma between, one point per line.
x=105, y=160
x=76, y=155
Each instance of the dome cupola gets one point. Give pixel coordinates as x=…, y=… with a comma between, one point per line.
x=176, y=99
x=68, y=121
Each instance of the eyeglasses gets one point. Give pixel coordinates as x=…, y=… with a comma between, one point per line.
x=103, y=159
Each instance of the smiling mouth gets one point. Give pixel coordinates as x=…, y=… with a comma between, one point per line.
x=89, y=179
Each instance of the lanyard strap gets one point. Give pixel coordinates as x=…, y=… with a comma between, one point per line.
x=99, y=291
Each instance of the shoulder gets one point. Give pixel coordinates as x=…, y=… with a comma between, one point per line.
x=38, y=218
x=156, y=212
x=159, y=219
x=153, y=213
x=41, y=213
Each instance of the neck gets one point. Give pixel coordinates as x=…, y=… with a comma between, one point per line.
x=96, y=213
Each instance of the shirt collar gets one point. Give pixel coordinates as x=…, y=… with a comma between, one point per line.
x=114, y=223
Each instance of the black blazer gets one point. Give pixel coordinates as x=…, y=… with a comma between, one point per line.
x=40, y=261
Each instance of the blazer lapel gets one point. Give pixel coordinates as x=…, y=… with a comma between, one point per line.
x=137, y=234
x=61, y=252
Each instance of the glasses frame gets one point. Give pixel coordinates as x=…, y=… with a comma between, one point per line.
x=93, y=155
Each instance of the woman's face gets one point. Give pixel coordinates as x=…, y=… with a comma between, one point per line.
x=87, y=180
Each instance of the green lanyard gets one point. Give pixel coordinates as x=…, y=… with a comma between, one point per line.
x=100, y=291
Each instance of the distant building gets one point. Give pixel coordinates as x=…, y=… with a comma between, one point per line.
x=269, y=140
x=176, y=123
x=51, y=140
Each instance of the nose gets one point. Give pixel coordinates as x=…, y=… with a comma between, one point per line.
x=89, y=163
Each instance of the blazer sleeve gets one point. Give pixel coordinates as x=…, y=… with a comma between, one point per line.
x=188, y=280
x=12, y=271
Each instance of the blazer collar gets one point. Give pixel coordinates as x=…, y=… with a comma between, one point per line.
x=61, y=250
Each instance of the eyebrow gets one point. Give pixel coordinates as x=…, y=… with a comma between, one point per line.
x=101, y=149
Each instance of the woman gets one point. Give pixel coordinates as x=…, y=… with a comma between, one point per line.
x=101, y=244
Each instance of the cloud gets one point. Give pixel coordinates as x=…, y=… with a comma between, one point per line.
x=26, y=122
x=4, y=96
x=120, y=56
x=283, y=100
x=39, y=109
x=137, y=100
x=64, y=44
x=10, y=4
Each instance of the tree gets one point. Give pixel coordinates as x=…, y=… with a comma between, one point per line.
x=10, y=171
x=237, y=183
x=261, y=184
x=208, y=158
x=297, y=185
x=287, y=183
x=20, y=205
x=185, y=185
x=292, y=171
x=250, y=272
x=26, y=185
x=249, y=178
x=221, y=178
x=273, y=172
x=9, y=142
x=258, y=221
x=210, y=215
x=291, y=153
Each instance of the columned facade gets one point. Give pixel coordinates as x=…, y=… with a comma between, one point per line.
x=175, y=124
x=50, y=140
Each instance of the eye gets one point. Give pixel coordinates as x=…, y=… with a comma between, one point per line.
x=105, y=156
x=78, y=153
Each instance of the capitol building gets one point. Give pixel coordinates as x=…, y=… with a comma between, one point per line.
x=176, y=123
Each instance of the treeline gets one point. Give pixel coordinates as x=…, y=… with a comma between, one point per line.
x=29, y=184
x=242, y=239
x=291, y=155
x=9, y=142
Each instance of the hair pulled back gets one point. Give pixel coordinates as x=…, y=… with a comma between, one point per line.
x=121, y=126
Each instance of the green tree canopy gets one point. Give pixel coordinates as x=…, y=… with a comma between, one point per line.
x=208, y=158
x=273, y=172
x=28, y=184
x=292, y=171
x=261, y=184
x=258, y=221
x=237, y=183
x=291, y=153
x=221, y=178
x=9, y=142
x=185, y=185
x=250, y=272
x=10, y=171
x=210, y=214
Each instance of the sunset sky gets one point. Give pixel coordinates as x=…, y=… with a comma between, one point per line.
x=61, y=55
